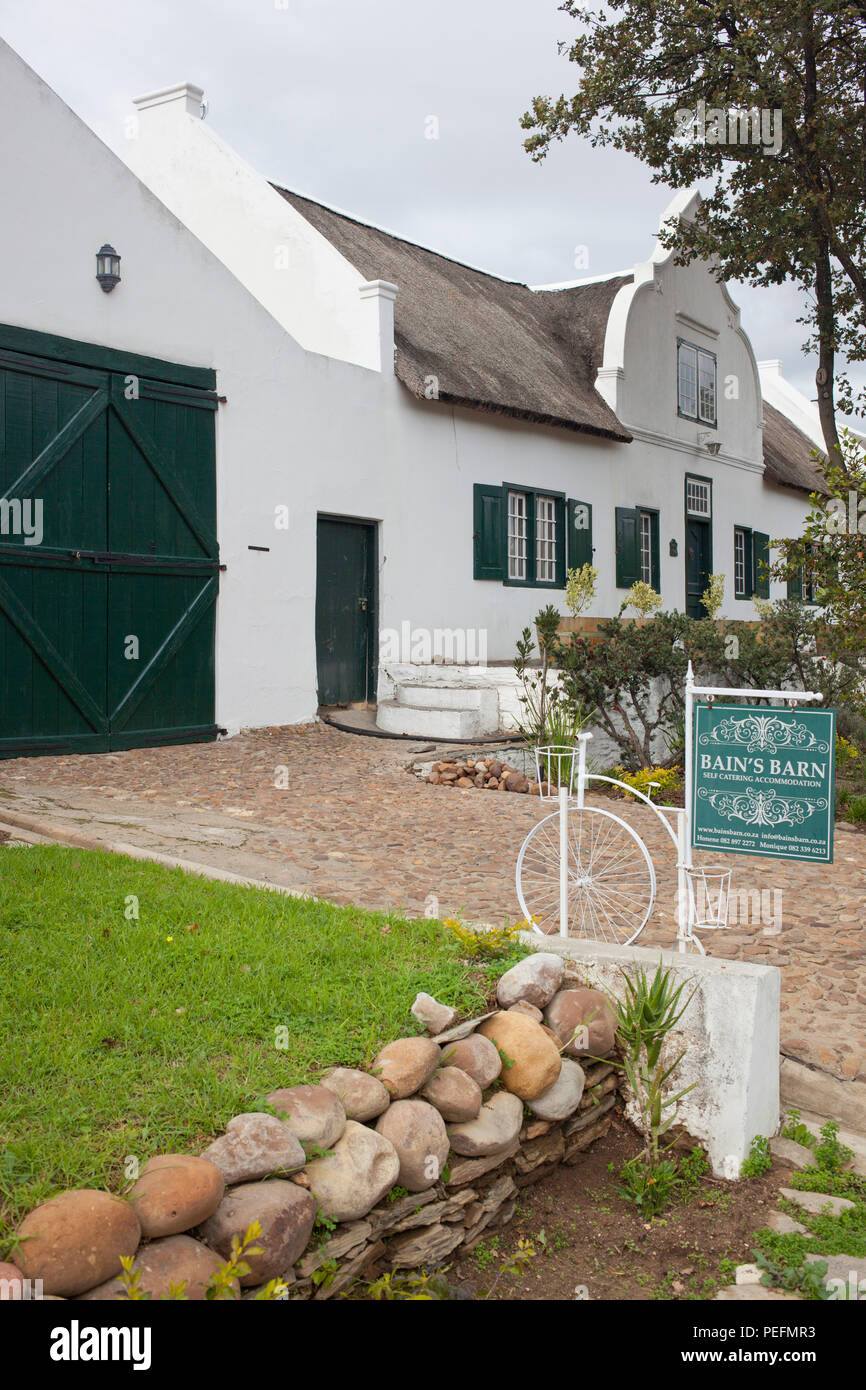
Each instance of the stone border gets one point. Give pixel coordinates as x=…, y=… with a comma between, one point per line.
x=478, y=1197
x=456, y=1122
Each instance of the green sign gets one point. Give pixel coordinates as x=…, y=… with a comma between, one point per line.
x=763, y=781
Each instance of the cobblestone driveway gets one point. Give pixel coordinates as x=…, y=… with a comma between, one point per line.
x=351, y=825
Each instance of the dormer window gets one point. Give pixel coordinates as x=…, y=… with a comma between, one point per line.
x=696, y=383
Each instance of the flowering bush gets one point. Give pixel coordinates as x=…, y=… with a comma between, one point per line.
x=580, y=585
x=490, y=943
x=643, y=598
x=668, y=780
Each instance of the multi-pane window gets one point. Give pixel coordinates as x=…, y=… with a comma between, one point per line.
x=696, y=383
x=751, y=563
x=740, y=562
x=531, y=540
x=646, y=547
x=698, y=497
x=545, y=540
x=707, y=387
x=517, y=535
x=688, y=380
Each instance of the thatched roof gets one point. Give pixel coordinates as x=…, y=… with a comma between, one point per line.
x=492, y=344
x=788, y=454
x=497, y=345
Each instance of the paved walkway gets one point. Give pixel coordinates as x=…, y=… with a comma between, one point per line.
x=339, y=816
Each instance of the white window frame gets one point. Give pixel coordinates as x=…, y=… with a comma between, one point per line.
x=646, y=547
x=740, y=562
x=545, y=539
x=696, y=383
x=687, y=381
x=698, y=492
x=517, y=538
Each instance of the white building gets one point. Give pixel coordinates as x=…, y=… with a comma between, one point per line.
x=380, y=439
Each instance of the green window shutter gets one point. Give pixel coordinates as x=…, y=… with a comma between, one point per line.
x=795, y=586
x=489, y=539
x=655, y=560
x=760, y=576
x=579, y=534
x=562, y=512
x=627, y=547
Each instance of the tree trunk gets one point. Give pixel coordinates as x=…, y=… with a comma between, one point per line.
x=826, y=352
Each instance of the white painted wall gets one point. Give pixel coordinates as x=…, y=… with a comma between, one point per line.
x=289, y=267
x=292, y=419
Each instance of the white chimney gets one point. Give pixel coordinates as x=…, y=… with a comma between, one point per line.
x=184, y=98
x=380, y=296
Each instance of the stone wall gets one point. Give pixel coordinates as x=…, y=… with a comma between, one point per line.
x=363, y=1171
x=475, y=1197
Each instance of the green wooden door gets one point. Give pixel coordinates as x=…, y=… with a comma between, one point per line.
x=346, y=648
x=698, y=565
x=106, y=618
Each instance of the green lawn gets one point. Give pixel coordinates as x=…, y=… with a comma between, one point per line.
x=129, y=1037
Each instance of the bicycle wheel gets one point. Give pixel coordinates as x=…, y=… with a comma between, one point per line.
x=611, y=879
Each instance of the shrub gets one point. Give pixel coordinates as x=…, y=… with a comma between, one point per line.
x=580, y=586
x=643, y=598
x=669, y=780
x=714, y=595
x=492, y=943
x=758, y=1161
x=847, y=754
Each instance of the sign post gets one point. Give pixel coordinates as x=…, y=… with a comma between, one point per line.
x=759, y=780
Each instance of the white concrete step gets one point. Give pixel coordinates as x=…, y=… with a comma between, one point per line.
x=462, y=697
x=420, y=721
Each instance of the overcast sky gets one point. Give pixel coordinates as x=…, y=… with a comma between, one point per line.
x=332, y=98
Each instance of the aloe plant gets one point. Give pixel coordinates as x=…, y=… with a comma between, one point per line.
x=646, y=1014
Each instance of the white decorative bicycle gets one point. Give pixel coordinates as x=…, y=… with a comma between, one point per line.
x=584, y=871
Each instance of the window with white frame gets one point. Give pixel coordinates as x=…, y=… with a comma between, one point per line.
x=707, y=387
x=517, y=535
x=699, y=497
x=696, y=383
x=646, y=547
x=545, y=540
x=739, y=562
x=688, y=380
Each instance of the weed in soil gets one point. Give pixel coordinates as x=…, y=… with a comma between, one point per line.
x=589, y=1243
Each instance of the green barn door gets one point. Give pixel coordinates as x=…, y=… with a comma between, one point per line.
x=53, y=467
x=107, y=617
x=164, y=569
x=346, y=628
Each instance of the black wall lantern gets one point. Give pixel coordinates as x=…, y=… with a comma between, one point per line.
x=673, y=548
x=107, y=267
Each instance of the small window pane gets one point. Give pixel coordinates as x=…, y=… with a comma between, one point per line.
x=545, y=540
x=646, y=547
x=697, y=497
x=707, y=387
x=517, y=535
x=687, y=380
x=739, y=563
